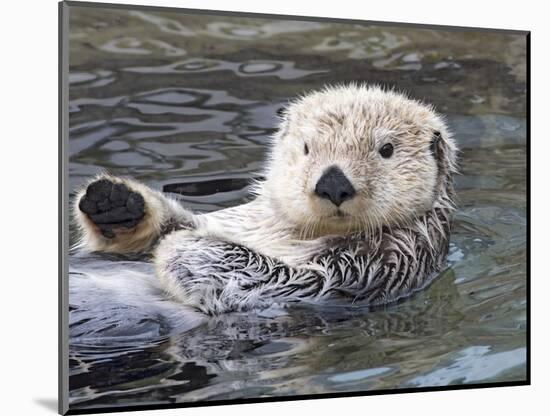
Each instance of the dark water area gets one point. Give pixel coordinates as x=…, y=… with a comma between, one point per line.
x=187, y=104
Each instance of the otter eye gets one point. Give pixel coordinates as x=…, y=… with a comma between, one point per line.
x=386, y=151
x=306, y=149
x=435, y=140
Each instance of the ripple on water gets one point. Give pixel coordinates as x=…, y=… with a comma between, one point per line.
x=473, y=364
x=280, y=69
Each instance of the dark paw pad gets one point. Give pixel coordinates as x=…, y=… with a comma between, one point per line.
x=112, y=205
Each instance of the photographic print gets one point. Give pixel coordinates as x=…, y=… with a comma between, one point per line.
x=261, y=208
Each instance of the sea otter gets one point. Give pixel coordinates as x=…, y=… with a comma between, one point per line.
x=355, y=208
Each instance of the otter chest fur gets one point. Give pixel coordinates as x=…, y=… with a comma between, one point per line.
x=356, y=207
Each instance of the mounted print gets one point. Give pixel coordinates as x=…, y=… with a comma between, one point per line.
x=261, y=208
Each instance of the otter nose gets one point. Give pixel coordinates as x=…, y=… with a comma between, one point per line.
x=334, y=186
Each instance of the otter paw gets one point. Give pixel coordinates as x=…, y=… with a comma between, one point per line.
x=112, y=205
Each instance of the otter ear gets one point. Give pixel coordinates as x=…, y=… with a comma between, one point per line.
x=281, y=112
x=434, y=145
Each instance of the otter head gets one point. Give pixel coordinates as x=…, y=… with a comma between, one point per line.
x=357, y=158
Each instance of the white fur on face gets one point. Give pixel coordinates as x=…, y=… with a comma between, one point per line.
x=346, y=127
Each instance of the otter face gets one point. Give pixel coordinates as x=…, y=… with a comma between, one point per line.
x=356, y=158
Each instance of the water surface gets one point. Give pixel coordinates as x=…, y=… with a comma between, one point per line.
x=186, y=104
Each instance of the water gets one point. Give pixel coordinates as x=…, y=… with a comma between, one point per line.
x=186, y=103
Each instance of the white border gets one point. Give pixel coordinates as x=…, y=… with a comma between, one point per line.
x=28, y=210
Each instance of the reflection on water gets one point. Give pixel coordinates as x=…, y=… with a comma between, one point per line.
x=187, y=104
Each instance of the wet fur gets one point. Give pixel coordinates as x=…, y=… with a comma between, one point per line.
x=287, y=245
